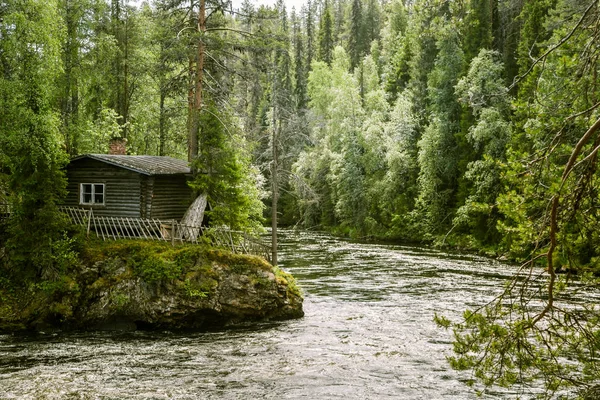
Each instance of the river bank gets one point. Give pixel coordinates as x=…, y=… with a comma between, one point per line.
x=127, y=285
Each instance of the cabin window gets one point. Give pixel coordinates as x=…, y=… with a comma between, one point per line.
x=92, y=194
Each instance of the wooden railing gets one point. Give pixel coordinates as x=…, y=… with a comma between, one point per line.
x=111, y=228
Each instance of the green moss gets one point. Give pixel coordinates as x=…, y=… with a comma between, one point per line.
x=60, y=310
x=100, y=283
x=61, y=286
x=193, y=290
x=259, y=281
x=156, y=267
x=287, y=279
x=200, y=282
x=119, y=300
x=159, y=261
x=240, y=261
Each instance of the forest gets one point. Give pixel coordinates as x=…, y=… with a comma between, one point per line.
x=471, y=124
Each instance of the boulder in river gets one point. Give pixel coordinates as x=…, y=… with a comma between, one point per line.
x=128, y=285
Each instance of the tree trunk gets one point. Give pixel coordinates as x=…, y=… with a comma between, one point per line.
x=194, y=127
x=274, y=182
x=162, y=135
x=192, y=220
x=275, y=195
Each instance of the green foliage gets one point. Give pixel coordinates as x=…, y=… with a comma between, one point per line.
x=152, y=261
x=31, y=151
x=463, y=156
x=482, y=89
x=153, y=267
x=478, y=27
x=325, y=39
x=284, y=277
x=338, y=170
x=63, y=285
x=503, y=347
x=192, y=291
x=438, y=148
x=99, y=132
x=226, y=176
x=528, y=335
x=407, y=132
x=357, y=32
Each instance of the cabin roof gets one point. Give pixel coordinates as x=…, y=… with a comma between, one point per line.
x=147, y=165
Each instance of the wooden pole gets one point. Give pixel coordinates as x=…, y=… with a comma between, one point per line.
x=196, y=100
x=274, y=191
x=173, y=232
x=90, y=216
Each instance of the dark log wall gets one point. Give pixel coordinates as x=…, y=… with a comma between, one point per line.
x=122, y=187
x=171, y=197
x=147, y=186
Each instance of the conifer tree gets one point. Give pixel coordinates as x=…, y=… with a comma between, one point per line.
x=309, y=22
x=326, y=35
x=371, y=23
x=356, y=36
x=299, y=66
x=478, y=26
x=73, y=14
x=438, y=152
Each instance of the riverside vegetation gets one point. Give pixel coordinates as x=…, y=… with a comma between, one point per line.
x=473, y=124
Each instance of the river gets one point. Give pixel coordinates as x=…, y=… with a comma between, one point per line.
x=368, y=333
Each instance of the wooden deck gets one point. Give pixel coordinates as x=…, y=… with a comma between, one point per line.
x=112, y=228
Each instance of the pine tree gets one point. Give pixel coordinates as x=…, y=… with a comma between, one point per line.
x=478, y=25
x=356, y=36
x=326, y=35
x=299, y=66
x=120, y=29
x=371, y=24
x=396, y=50
x=438, y=151
x=69, y=98
x=533, y=35
x=309, y=18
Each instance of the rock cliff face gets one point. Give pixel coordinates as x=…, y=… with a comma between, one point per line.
x=134, y=286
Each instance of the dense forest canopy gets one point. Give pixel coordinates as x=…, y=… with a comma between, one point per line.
x=465, y=123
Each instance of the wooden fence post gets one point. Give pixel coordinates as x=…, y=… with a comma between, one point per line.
x=90, y=216
x=173, y=232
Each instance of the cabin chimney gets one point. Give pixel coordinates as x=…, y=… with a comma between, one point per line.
x=118, y=146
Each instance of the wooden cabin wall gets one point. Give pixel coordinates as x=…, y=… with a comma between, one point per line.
x=147, y=191
x=171, y=197
x=122, y=187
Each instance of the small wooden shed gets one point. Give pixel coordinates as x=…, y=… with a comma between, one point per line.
x=129, y=186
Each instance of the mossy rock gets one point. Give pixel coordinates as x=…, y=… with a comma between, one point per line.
x=155, y=285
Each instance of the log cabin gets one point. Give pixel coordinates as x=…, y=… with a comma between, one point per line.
x=118, y=185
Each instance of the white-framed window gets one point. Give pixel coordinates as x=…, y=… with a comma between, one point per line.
x=91, y=194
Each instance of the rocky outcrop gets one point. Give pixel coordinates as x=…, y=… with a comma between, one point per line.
x=189, y=288
x=208, y=296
